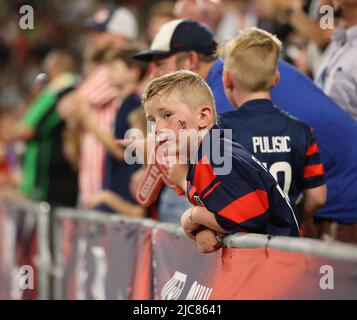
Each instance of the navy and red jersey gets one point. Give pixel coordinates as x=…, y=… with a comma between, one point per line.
x=284, y=144
x=244, y=198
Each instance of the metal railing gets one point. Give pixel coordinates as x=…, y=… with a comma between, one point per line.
x=32, y=217
x=327, y=249
x=49, y=263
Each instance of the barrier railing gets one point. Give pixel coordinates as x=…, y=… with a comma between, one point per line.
x=24, y=250
x=91, y=255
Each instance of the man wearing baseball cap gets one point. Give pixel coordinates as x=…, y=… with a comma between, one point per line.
x=187, y=44
x=106, y=29
x=117, y=21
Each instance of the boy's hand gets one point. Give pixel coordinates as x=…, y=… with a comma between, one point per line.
x=207, y=241
x=177, y=174
x=188, y=225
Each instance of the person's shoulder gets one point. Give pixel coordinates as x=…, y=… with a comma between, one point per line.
x=63, y=83
x=227, y=117
x=293, y=121
x=229, y=114
x=215, y=72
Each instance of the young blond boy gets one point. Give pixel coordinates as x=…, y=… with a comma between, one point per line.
x=285, y=145
x=246, y=198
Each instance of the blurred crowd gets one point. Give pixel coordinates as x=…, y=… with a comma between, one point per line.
x=63, y=82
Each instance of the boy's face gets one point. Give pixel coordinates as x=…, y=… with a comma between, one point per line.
x=167, y=116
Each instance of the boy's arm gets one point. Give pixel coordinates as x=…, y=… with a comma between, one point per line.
x=315, y=191
x=314, y=199
x=197, y=217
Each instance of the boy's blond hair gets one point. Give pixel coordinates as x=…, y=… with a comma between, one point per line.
x=253, y=58
x=188, y=87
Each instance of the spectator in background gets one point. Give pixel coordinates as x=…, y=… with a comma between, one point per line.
x=295, y=22
x=238, y=15
x=298, y=22
x=337, y=75
x=297, y=94
x=47, y=174
x=305, y=20
x=209, y=12
x=159, y=14
x=9, y=155
x=109, y=29
x=126, y=74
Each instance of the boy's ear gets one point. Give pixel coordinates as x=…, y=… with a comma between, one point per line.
x=227, y=80
x=277, y=79
x=205, y=117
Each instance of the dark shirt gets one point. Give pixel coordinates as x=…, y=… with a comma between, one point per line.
x=284, y=144
x=245, y=197
x=118, y=173
x=48, y=176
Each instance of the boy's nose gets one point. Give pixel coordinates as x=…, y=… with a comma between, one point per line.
x=160, y=126
x=157, y=128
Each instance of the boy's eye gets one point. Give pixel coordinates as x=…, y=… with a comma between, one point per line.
x=167, y=116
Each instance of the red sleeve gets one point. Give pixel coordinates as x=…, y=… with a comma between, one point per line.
x=314, y=173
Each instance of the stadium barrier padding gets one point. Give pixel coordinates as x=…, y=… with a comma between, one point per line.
x=24, y=250
x=90, y=255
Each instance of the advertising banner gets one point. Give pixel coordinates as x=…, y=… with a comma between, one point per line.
x=103, y=260
x=18, y=254
x=251, y=273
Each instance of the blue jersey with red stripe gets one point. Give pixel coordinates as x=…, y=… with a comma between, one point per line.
x=233, y=185
x=284, y=144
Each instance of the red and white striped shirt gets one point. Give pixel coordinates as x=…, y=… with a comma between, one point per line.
x=104, y=99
